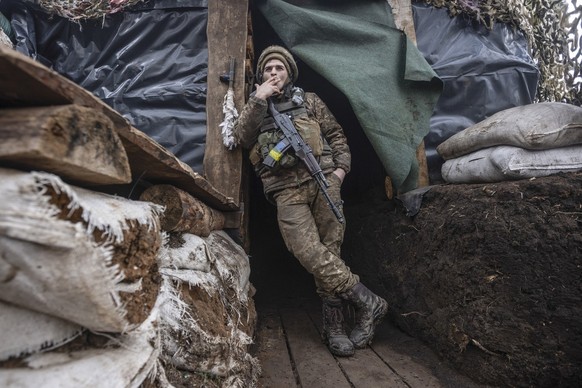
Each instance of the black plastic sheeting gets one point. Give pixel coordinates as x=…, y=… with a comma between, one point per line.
x=483, y=71
x=149, y=63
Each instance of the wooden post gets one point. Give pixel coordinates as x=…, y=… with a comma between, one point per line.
x=227, y=36
x=402, y=12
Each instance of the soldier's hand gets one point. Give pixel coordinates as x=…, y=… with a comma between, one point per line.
x=340, y=173
x=268, y=88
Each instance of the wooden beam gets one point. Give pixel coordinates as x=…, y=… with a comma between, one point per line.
x=227, y=38
x=26, y=82
x=77, y=143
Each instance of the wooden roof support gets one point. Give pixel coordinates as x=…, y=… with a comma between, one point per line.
x=25, y=82
x=227, y=38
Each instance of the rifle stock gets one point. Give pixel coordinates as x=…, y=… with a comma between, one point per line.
x=292, y=139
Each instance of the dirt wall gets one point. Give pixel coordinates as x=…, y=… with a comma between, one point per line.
x=489, y=275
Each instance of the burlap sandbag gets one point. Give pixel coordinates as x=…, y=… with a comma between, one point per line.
x=539, y=126
x=502, y=163
x=86, y=257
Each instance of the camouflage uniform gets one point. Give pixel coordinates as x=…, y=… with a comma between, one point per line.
x=309, y=228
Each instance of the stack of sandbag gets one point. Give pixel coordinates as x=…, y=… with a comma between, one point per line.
x=523, y=142
x=208, y=314
x=76, y=264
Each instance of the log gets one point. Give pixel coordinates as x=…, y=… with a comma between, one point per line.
x=26, y=82
x=187, y=214
x=78, y=143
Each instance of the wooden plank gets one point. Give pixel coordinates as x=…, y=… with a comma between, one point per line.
x=77, y=143
x=414, y=361
x=272, y=352
x=227, y=36
x=364, y=369
x=315, y=365
x=26, y=82
x=414, y=374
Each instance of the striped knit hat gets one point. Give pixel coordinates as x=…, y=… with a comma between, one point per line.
x=280, y=53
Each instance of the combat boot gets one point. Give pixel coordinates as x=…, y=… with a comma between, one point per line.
x=334, y=334
x=370, y=309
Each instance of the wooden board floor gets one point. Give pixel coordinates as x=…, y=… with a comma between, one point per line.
x=292, y=354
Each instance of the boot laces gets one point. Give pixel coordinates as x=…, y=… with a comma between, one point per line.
x=334, y=320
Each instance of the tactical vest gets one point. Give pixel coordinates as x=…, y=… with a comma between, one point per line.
x=270, y=135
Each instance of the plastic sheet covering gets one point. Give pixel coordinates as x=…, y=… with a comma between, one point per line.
x=483, y=71
x=150, y=63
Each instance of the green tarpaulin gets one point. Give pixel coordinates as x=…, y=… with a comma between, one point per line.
x=356, y=47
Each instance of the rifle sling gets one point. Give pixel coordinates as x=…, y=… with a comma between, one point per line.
x=269, y=123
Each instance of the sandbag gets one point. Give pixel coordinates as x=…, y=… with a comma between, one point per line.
x=85, y=257
x=502, y=163
x=538, y=126
x=24, y=331
x=125, y=361
x=207, y=317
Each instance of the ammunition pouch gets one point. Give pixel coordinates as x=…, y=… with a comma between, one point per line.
x=270, y=136
x=265, y=143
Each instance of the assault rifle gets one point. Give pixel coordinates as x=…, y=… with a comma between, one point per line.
x=292, y=139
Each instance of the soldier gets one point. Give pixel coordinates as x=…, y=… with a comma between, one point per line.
x=311, y=231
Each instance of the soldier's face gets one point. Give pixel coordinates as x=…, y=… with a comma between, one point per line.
x=276, y=68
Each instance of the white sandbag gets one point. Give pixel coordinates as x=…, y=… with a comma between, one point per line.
x=234, y=263
x=538, y=126
x=24, y=331
x=57, y=251
x=207, y=313
x=502, y=163
x=193, y=261
x=126, y=361
x=191, y=254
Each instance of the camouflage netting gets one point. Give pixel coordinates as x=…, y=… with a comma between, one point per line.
x=84, y=9
x=553, y=32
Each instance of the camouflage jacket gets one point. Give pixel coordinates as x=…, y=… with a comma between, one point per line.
x=336, y=153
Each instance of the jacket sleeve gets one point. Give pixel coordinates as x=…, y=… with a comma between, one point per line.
x=246, y=127
x=331, y=130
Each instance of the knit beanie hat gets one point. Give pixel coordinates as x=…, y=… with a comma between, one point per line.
x=277, y=52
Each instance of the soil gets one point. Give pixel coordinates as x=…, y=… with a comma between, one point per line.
x=488, y=275
x=135, y=256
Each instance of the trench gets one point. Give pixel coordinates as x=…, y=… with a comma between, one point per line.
x=288, y=336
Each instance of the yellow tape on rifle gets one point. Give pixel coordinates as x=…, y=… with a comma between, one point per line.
x=275, y=154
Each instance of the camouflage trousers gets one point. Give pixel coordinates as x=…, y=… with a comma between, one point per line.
x=313, y=234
